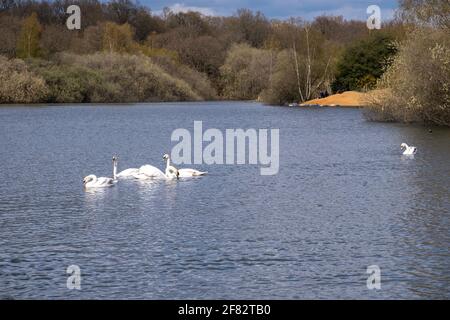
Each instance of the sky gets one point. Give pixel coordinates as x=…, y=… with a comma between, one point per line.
x=308, y=9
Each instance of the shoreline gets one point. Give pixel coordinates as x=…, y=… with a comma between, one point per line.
x=347, y=99
x=46, y=104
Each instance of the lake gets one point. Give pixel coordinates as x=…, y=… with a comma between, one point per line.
x=344, y=199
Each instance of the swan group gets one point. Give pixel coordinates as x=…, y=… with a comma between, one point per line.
x=149, y=172
x=145, y=172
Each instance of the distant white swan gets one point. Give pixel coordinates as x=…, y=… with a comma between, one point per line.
x=171, y=171
x=408, y=150
x=91, y=181
x=185, y=173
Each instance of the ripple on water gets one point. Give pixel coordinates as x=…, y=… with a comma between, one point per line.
x=343, y=199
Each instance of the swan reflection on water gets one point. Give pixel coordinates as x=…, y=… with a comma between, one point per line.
x=155, y=190
x=95, y=197
x=406, y=157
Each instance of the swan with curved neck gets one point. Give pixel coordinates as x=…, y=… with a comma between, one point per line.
x=185, y=173
x=408, y=150
x=171, y=171
x=91, y=181
x=128, y=173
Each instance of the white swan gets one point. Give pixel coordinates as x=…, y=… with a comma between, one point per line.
x=171, y=171
x=185, y=173
x=91, y=181
x=408, y=150
x=128, y=173
x=147, y=172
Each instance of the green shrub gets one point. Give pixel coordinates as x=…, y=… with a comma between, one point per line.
x=198, y=81
x=283, y=87
x=246, y=72
x=70, y=83
x=18, y=84
x=417, y=83
x=363, y=63
x=132, y=78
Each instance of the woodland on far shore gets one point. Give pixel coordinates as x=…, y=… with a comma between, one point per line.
x=125, y=53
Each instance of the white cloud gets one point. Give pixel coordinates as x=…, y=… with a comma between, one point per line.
x=280, y=9
x=356, y=13
x=181, y=7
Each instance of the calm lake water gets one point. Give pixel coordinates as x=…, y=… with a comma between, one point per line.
x=344, y=199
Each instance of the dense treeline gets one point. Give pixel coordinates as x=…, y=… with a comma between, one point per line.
x=186, y=56
x=416, y=85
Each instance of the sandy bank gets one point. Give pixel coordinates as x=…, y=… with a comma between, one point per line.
x=351, y=99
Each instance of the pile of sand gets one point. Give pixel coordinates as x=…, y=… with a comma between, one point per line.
x=345, y=99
